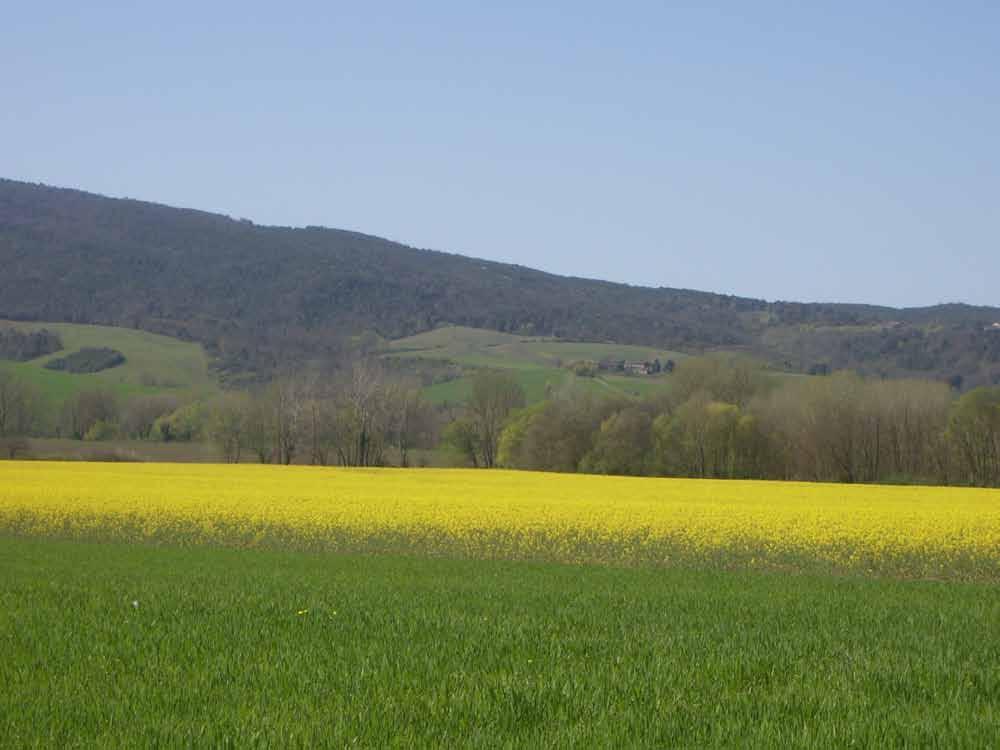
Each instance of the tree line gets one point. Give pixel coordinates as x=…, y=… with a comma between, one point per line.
x=21, y=346
x=727, y=417
x=720, y=417
x=361, y=416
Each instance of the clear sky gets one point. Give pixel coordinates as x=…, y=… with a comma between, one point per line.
x=844, y=151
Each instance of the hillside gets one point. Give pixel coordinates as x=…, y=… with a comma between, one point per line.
x=259, y=298
x=153, y=364
x=539, y=363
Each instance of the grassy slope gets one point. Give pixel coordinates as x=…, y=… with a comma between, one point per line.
x=249, y=648
x=537, y=362
x=155, y=364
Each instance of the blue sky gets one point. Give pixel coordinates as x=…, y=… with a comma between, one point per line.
x=813, y=151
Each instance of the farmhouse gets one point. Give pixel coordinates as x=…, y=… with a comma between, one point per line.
x=634, y=367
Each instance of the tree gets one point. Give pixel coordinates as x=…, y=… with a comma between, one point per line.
x=558, y=434
x=20, y=413
x=20, y=406
x=258, y=428
x=411, y=420
x=462, y=436
x=142, y=412
x=974, y=430
x=227, y=426
x=727, y=378
x=494, y=396
x=705, y=438
x=829, y=428
x=23, y=346
x=915, y=415
x=511, y=447
x=319, y=415
x=83, y=411
x=362, y=423
x=101, y=430
x=286, y=398
x=186, y=424
x=623, y=444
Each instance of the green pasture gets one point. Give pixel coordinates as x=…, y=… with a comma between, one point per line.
x=540, y=383
x=109, y=645
x=154, y=364
x=538, y=363
x=477, y=347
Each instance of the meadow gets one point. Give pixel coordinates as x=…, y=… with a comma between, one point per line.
x=265, y=606
x=154, y=364
x=481, y=347
x=113, y=645
x=537, y=362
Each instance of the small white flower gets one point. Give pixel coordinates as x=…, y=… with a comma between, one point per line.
x=135, y=604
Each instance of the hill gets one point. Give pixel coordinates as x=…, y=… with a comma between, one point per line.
x=541, y=364
x=153, y=363
x=260, y=298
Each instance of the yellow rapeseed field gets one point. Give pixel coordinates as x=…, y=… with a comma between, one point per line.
x=911, y=531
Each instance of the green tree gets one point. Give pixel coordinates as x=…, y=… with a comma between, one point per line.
x=622, y=445
x=186, y=424
x=84, y=410
x=462, y=437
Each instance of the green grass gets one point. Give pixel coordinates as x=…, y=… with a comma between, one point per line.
x=232, y=648
x=480, y=347
x=154, y=364
x=539, y=383
x=536, y=362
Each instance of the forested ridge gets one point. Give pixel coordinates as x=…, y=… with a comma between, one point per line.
x=261, y=297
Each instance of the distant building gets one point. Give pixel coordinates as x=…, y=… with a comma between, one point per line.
x=638, y=368
x=635, y=367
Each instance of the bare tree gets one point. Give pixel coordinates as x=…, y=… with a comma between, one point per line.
x=974, y=430
x=361, y=417
x=410, y=419
x=20, y=406
x=318, y=418
x=228, y=425
x=258, y=428
x=85, y=410
x=287, y=400
x=494, y=396
x=916, y=417
x=462, y=437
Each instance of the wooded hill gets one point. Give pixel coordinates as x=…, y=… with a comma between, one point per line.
x=263, y=297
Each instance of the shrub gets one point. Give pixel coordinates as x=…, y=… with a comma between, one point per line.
x=101, y=430
x=87, y=361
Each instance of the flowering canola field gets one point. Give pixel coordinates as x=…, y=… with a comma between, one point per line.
x=928, y=532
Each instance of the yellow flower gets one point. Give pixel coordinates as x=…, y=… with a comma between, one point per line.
x=921, y=531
